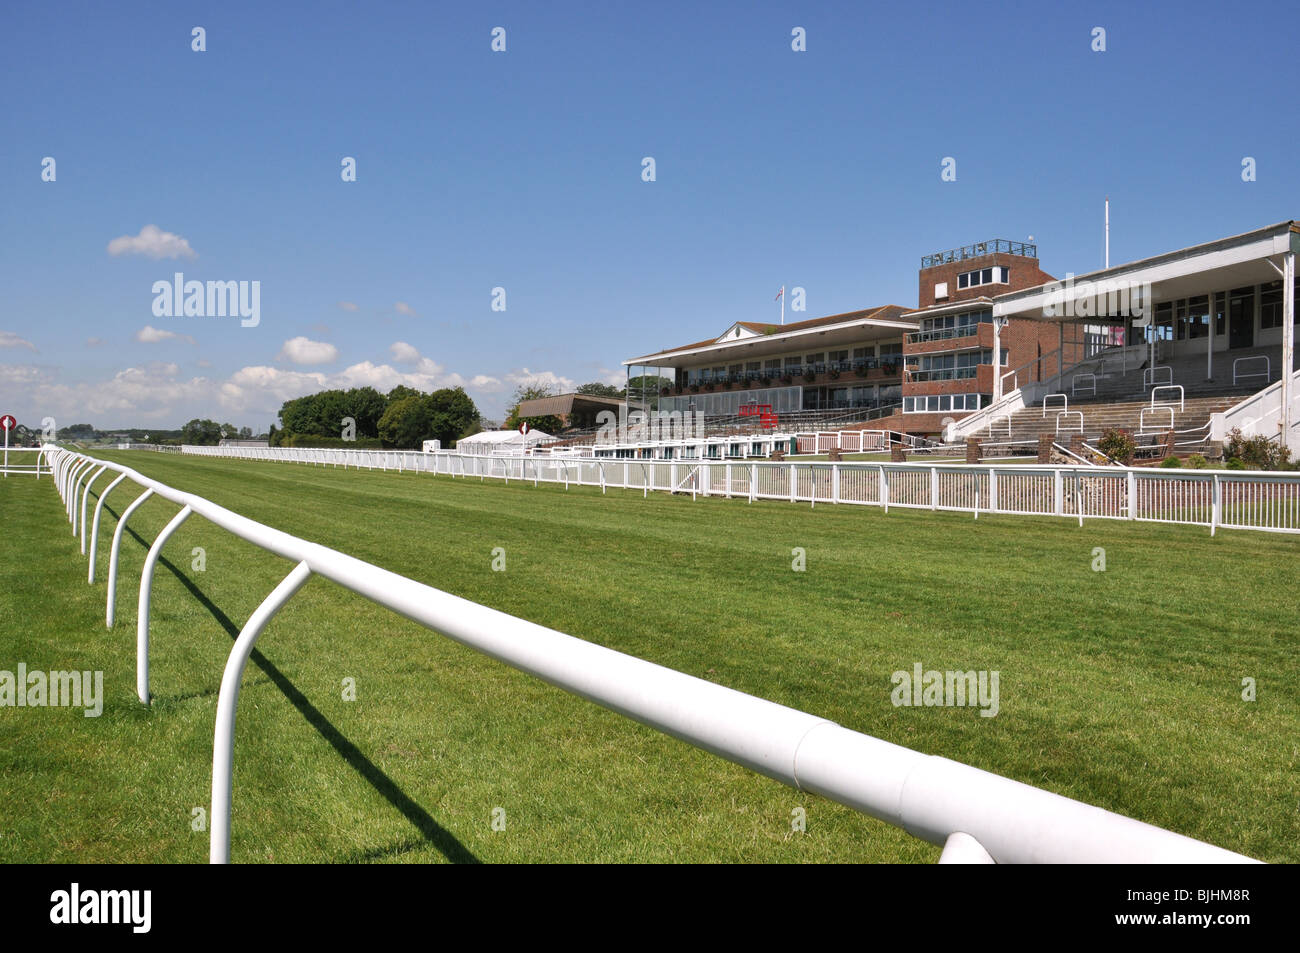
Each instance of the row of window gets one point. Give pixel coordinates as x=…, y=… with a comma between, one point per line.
x=941, y=403
x=996, y=275
x=936, y=362
x=951, y=325
x=844, y=360
x=1189, y=318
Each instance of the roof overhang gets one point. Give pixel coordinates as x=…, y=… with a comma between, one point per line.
x=853, y=331
x=957, y=307
x=1245, y=259
x=566, y=404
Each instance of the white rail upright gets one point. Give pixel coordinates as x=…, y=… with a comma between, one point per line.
x=929, y=796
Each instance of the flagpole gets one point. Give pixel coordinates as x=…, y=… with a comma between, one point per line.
x=783, y=305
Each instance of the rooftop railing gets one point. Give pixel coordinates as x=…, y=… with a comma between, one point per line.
x=979, y=250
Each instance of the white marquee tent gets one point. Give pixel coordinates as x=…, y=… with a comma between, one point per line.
x=501, y=441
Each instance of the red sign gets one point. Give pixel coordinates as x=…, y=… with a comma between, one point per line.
x=523, y=428
x=7, y=422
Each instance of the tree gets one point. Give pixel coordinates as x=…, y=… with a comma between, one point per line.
x=598, y=389
x=533, y=391
x=407, y=423
x=445, y=415
x=453, y=414
x=202, y=432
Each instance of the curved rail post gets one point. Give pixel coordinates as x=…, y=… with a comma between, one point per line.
x=142, y=615
x=74, y=470
x=223, y=739
x=94, y=529
x=85, y=495
x=961, y=848
x=74, y=487
x=112, y=556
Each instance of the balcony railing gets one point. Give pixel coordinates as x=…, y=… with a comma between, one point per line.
x=944, y=334
x=944, y=374
x=861, y=366
x=979, y=250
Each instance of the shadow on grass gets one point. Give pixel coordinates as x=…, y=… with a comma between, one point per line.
x=433, y=833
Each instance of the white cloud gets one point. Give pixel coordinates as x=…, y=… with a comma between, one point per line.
x=403, y=308
x=151, y=335
x=146, y=393
x=9, y=339
x=152, y=242
x=404, y=353
x=301, y=350
x=523, y=377
x=348, y=305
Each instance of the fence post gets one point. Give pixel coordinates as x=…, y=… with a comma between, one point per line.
x=1132, y=494
x=794, y=483
x=835, y=482
x=111, y=606
x=1215, y=499
x=993, y=490
x=142, y=614
x=1058, y=493
x=85, y=495
x=934, y=489
x=94, y=531
x=223, y=739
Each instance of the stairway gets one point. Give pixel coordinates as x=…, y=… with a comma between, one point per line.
x=1101, y=415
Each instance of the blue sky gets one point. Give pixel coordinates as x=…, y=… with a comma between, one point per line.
x=522, y=170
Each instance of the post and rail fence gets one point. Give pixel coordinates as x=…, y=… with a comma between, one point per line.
x=1267, y=501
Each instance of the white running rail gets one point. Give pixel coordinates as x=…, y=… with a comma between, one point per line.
x=930, y=797
x=15, y=467
x=1258, y=500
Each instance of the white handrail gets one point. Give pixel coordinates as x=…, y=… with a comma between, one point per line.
x=1181, y=400
x=1142, y=418
x=1068, y=414
x=1065, y=402
x=929, y=796
x=1149, y=374
x=1267, y=373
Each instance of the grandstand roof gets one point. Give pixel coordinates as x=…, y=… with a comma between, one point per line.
x=561, y=404
x=753, y=338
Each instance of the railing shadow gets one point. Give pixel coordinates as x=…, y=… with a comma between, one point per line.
x=433, y=833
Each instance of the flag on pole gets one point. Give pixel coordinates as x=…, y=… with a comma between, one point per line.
x=779, y=294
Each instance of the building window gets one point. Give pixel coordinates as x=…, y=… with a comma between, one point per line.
x=997, y=275
x=1270, y=305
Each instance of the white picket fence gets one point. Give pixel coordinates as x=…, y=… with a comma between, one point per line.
x=1231, y=499
x=979, y=817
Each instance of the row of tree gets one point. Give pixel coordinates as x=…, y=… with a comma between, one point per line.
x=403, y=418
x=208, y=432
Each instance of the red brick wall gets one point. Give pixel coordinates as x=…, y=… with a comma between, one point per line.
x=1025, y=273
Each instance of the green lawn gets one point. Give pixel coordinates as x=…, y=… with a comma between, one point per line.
x=1120, y=688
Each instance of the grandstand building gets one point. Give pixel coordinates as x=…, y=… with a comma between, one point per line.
x=993, y=334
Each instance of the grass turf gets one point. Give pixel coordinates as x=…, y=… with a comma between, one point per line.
x=1120, y=688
